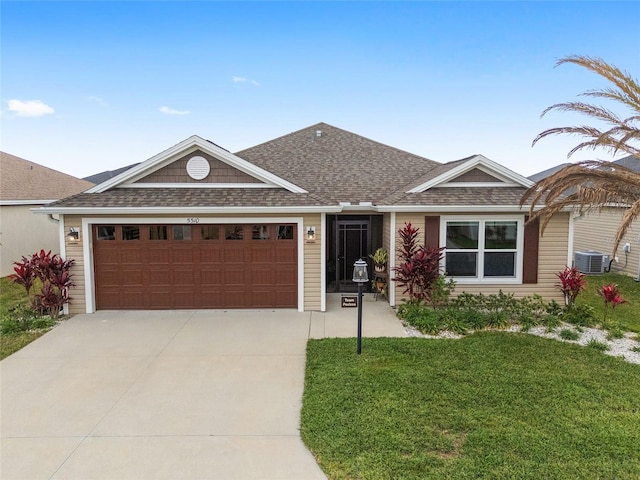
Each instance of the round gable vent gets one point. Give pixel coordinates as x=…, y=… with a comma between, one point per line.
x=198, y=167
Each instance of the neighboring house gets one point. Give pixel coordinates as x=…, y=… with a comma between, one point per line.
x=25, y=185
x=281, y=224
x=595, y=231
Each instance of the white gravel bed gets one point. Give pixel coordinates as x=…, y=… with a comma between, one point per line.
x=618, y=347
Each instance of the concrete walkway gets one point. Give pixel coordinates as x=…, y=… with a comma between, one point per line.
x=168, y=395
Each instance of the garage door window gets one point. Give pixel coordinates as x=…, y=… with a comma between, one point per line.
x=158, y=232
x=182, y=232
x=261, y=232
x=106, y=232
x=130, y=232
x=210, y=232
x=285, y=232
x=234, y=232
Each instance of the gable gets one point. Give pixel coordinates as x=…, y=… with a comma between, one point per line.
x=219, y=172
x=476, y=171
x=476, y=175
x=196, y=163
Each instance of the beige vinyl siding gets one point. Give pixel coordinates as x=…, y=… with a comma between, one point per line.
x=74, y=251
x=552, y=257
x=596, y=231
x=312, y=265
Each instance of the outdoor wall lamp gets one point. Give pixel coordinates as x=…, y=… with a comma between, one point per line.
x=360, y=276
x=311, y=234
x=74, y=234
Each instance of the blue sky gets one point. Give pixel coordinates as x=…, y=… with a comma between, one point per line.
x=91, y=86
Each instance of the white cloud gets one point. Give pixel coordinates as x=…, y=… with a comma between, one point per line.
x=171, y=111
x=29, y=108
x=98, y=100
x=235, y=79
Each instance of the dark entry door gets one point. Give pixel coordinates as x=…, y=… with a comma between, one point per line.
x=352, y=243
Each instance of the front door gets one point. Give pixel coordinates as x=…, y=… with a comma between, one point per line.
x=352, y=243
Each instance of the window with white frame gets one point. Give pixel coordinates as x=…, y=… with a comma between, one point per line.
x=483, y=248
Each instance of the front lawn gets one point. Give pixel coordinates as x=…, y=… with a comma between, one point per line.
x=18, y=325
x=492, y=405
x=627, y=314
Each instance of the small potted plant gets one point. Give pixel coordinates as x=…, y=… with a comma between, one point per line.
x=380, y=259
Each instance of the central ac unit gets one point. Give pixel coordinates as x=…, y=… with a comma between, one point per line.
x=592, y=262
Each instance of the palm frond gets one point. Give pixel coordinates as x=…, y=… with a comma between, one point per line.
x=583, y=187
x=624, y=134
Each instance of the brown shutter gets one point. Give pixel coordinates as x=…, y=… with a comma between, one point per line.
x=432, y=231
x=531, y=244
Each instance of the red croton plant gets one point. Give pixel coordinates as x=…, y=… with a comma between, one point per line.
x=611, y=296
x=419, y=267
x=572, y=282
x=52, y=274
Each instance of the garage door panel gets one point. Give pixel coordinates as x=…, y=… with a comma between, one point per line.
x=185, y=255
x=210, y=253
x=233, y=254
x=184, y=277
x=200, y=272
x=159, y=255
x=234, y=276
x=210, y=276
x=132, y=277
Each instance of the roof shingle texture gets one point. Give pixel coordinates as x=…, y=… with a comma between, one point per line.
x=21, y=179
x=338, y=166
x=189, y=197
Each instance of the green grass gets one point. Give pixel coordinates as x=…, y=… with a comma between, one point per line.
x=492, y=405
x=627, y=314
x=11, y=296
x=12, y=342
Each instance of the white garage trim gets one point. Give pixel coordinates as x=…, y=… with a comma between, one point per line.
x=87, y=223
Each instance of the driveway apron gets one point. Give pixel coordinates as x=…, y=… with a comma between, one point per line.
x=159, y=395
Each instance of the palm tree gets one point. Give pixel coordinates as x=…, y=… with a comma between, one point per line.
x=592, y=185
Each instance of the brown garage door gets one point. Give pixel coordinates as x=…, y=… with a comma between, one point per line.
x=195, y=266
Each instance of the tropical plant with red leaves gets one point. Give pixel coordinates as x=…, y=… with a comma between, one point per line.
x=572, y=282
x=54, y=276
x=420, y=267
x=611, y=296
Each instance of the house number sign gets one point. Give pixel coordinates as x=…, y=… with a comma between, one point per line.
x=193, y=220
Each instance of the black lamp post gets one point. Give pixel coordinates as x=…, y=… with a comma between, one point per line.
x=360, y=276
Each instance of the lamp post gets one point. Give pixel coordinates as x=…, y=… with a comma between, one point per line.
x=360, y=276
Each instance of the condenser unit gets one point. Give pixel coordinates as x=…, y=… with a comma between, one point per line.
x=592, y=262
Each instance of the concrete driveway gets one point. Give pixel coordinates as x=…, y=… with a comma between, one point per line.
x=166, y=395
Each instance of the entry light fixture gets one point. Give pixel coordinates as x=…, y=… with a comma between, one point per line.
x=360, y=274
x=74, y=234
x=311, y=234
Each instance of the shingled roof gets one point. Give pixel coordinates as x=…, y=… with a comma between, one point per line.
x=21, y=179
x=338, y=165
x=320, y=166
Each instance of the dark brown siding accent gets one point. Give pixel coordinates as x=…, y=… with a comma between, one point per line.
x=531, y=243
x=176, y=172
x=476, y=175
x=432, y=231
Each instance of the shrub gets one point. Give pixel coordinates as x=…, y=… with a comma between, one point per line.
x=611, y=296
x=19, y=319
x=581, y=315
x=569, y=334
x=419, y=267
x=572, y=282
x=54, y=275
